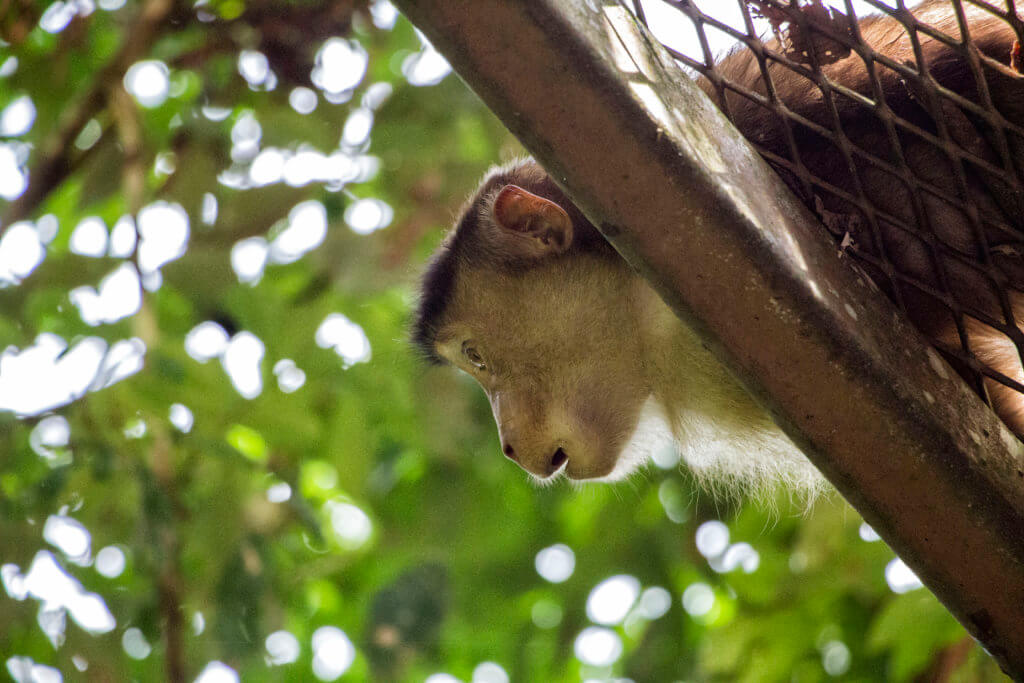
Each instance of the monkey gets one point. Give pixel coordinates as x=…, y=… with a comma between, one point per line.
x=588, y=372
x=586, y=369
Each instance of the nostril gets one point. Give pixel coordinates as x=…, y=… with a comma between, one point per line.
x=509, y=451
x=558, y=459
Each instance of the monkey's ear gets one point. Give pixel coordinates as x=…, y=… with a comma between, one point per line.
x=535, y=226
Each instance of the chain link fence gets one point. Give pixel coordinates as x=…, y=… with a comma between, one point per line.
x=899, y=125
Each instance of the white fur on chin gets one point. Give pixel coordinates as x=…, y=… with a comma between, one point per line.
x=750, y=463
x=651, y=434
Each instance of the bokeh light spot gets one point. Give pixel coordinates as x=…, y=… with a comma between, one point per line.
x=21, y=250
x=148, y=82
x=208, y=214
x=609, y=601
x=835, y=658
x=712, y=538
x=340, y=66
x=346, y=338
x=333, y=653
x=110, y=561
x=900, y=577
x=441, y=678
x=739, y=555
x=89, y=238
x=290, y=378
x=8, y=67
x=351, y=525
x=280, y=492
x=119, y=296
x=377, y=94
x=254, y=67
x=248, y=259
x=13, y=180
x=655, y=602
x=356, y=131
x=89, y=135
x=426, y=67
x=241, y=360
x=135, y=429
x=217, y=672
x=163, y=229
x=205, y=341
x=303, y=100
x=384, y=14
x=555, y=563
x=282, y=648
x=306, y=230
x=489, y=672
x=17, y=117
x=47, y=375
x=123, y=237
x=69, y=535
x=48, y=582
x=57, y=16
x=368, y=215
x=698, y=599
x=49, y=437
x=25, y=670
x=868, y=534
x=181, y=417
x=598, y=646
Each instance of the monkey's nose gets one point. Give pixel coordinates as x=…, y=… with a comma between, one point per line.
x=557, y=460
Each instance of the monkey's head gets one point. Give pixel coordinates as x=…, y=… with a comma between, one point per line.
x=527, y=297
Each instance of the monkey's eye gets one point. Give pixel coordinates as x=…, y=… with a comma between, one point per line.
x=473, y=356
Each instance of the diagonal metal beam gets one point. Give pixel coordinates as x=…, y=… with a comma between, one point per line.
x=693, y=208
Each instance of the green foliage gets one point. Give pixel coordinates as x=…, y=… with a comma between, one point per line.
x=371, y=498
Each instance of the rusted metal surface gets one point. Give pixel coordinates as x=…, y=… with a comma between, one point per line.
x=689, y=203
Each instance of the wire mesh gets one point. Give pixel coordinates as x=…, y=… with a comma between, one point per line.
x=900, y=126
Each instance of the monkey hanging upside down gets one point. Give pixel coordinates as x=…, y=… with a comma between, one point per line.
x=588, y=371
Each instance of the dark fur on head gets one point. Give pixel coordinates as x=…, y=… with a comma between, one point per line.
x=466, y=246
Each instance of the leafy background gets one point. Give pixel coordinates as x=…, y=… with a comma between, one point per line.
x=332, y=509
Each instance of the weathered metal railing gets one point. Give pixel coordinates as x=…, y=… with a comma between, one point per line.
x=689, y=203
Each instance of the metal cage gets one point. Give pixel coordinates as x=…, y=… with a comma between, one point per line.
x=818, y=87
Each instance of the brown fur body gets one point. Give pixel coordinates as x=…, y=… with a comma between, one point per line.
x=954, y=243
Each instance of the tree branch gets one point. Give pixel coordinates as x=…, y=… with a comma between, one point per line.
x=169, y=580
x=56, y=161
x=129, y=128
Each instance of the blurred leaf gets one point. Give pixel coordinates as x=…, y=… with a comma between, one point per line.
x=248, y=442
